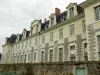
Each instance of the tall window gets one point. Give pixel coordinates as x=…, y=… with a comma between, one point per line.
x=29, y=57
x=30, y=42
x=26, y=45
x=51, y=36
x=52, y=21
x=72, y=56
x=35, y=56
x=71, y=29
x=43, y=38
x=51, y=55
x=60, y=54
x=60, y=33
x=97, y=12
x=36, y=41
x=42, y=56
x=85, y=52
x=98, y=37
x=25, y=58
x=22, y=45
x=21, y=60
x=84, y=26
x=71, y=12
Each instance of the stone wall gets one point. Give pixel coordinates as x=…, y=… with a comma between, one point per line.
x=65, y=68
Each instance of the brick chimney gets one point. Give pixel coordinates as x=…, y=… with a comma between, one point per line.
x=25, y=29
x=57, y=11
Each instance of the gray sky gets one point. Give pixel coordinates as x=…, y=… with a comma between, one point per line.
x=18, y=14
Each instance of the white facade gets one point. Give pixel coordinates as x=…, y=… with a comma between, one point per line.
x=48, y=43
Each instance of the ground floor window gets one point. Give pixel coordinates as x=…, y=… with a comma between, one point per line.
x=72, y=57
x=60, y=54
x=35, y=56
x=25, y=58
x=51, y=55
x=42, y=56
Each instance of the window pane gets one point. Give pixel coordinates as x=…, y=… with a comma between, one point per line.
x=84, y=26
x=97, y=12
x=71, y=29
x=52, y=20
x=61, y=33
x=51, y=56
x=42, y=56
x=60, y=54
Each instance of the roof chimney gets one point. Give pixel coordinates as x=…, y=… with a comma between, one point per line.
x=25, y=29
x=57, y=11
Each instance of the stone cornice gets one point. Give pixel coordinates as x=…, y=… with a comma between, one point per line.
x=88, y=3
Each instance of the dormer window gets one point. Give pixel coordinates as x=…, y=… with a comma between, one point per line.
x=71, y=11
x=52, y=21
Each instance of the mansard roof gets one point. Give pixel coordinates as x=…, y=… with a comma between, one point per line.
x=59, y=18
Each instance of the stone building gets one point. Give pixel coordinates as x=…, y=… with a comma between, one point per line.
x=72, y=35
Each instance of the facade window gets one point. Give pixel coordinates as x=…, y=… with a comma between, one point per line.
x=51, y=55
x=85, y=52
x=51, y=36
x=35, y=56
x=21, y=59
x=60, y=33
x=30, y=42
x=97, y=12
x=84, y=26
x=22, y=45
x=42, y=56
x=72, y=47
x=71, y=29
x=52, y=21
x=36, y=41
x=72, y=57
x=98, y=38
x=71, y=11
x=60, y=54
x=25, y=58
x=29, y=56
x=26, y=45
x=43, y=38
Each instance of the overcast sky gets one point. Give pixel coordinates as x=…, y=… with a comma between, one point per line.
x=18, y=14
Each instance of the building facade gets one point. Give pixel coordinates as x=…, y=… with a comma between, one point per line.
x=72, y=35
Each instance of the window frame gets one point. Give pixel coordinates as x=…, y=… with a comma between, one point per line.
x=60, y=33
x=72, y=29
x=97, y=11
x=51, y=36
